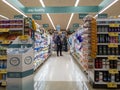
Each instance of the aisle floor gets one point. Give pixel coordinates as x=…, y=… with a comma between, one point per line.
x=60, y=73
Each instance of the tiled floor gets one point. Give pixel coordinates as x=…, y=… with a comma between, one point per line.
x=59, y=73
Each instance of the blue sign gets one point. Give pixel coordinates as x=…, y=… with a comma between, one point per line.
x=37, y=16
x=58, y=27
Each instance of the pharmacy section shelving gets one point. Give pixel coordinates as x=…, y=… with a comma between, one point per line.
x=42, y=47
x=9, y=30
x=106, y=71
x=83, y=43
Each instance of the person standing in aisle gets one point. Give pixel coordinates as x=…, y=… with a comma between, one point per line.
x=59, y=44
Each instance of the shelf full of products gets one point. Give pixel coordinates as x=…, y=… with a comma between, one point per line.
x=42, y=48
x=107, y=62
x=9, y=31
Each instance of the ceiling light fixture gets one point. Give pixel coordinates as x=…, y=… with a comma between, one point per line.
x=4, y=17
x=76, y=4
x=43, y=5
x=14, y=7
x=106, y=8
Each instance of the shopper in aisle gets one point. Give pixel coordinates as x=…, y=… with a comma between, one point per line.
x=65, y=43
x=58, y=42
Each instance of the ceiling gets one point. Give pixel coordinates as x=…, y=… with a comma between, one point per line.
x=58, y=19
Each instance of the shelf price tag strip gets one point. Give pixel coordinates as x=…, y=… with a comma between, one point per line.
x=112, y=85
x=6, y=42
x=112, y=58
x=113, y=34
x=114, y=25
x=113, y=45
x=4, y=30
x=113, y=71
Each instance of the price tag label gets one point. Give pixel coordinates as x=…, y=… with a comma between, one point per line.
x=113, y=34
x=114, y=25
x=4, y=30
x=112, y=85
x=24, y=37
x=3, y=57
x=3, y=71
x=113, y=71
x=112, y=58
x=6, y=42
x=4, y=83
x=113, y=45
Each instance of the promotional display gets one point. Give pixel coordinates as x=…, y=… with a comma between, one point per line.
x=20, y=64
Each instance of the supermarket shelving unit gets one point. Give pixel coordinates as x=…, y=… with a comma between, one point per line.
x=106, y=71
x=42, y=48
x=9, y=30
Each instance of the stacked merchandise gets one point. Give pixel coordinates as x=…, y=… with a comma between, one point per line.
x=9, y=30
x=106, y=72
x=42, y=48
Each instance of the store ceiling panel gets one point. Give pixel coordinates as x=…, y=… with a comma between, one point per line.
x=59, y=2
x=58, y=19
x=30, y=3
x=89, y=2
x=6, y=10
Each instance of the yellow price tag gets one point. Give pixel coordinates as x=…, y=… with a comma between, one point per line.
x=3, y=57
x=113, y=45
x=112, y=58
x=113, y=34
x=24, y=37
x=113, y=71
x=112, y=85
x=4, y=30
x=3, y=71
x=4, y=83
x=6, y=42
x=114, y=25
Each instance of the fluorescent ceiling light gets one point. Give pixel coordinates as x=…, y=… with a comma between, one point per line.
x=43, y=5
x=4, y=17
x=14, y=8
x=69, y=20
x=106, y=8
x=76, y=4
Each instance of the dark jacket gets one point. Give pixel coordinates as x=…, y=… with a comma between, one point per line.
x=58, y=40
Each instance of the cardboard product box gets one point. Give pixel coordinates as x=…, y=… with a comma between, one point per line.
x=20, y=71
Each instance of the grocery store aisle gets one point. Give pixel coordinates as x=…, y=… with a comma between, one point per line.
x=59, y=73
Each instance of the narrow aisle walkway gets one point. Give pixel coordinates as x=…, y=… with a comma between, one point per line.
x=59, y=73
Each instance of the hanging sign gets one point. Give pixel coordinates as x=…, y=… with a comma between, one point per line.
x=18, y=16
x=45, y=25
x=102, y=15
x=58, y=27
x=81, y=16
x=37, y=16
x=76, y=25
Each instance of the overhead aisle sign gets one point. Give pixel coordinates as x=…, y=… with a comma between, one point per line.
x=37, y=16
x=81, y=16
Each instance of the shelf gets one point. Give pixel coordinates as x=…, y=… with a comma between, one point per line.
x=107, y=55
x=11, y=24
x=107, y=43
x=106, y=32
